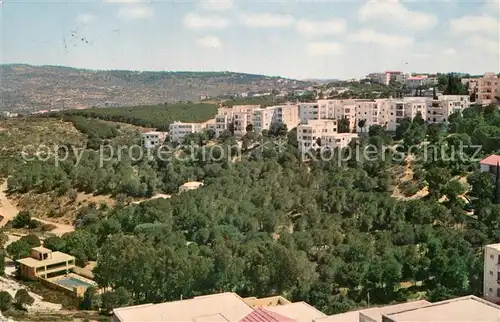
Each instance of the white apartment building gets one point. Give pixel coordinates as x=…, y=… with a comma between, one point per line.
x=438, y=111
x=491, y=284
x=368, y=111
x=386, y=77
x=179, y=130
x=320, y=134
x=265, y=117
x=237, y=116
x=152, y=139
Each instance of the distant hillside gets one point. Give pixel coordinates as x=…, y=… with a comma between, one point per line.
x=26, y=88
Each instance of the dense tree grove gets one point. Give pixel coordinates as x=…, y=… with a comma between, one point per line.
x=326, y=232
x=158, y=116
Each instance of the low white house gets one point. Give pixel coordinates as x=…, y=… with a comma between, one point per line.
x=152, y=139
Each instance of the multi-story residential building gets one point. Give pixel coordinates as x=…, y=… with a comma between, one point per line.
x=317, y=134
x=235, y=118
x=367, y=111
x=491, y=284
x=413, y=82
x=287, y=114
x=309, y=111
x=44, y=263
x=152, y=139
x=487, y=89
x=440, y=109
x=179, y=130
x=386, y=77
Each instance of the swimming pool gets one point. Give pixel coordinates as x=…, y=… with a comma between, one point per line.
x=72, y=282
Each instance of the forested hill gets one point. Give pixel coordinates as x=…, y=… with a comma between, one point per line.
x=26, y=87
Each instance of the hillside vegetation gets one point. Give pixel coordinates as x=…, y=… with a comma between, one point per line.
x=327, y=232
x=158, y=116
x=26, y=87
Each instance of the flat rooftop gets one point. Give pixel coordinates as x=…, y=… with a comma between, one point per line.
x=42, y=250
x=216, y=308
x=374, y=313
x=467, y=308
x=57, y=257
x=299, y=311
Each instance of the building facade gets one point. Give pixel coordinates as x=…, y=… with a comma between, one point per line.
x=487, y=89
x=317, y=134
x=179, y=130
x=44, y=263
x=152, y=139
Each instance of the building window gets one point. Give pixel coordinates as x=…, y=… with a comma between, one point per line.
x=498, y=292
x=491, y=290
x=492, y=256
x=491, y=273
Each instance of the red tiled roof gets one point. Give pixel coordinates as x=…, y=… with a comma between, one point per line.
x=491, y=160
x=262, y=315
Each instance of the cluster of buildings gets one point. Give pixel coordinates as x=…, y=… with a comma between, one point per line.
x=485, y=88
x=317, y=123
x=411, y=81
x=229, y=307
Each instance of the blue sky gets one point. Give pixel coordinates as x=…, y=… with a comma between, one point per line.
x=299, y=39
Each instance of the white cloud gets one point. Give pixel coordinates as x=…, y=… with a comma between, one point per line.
x=450, y=51
x=216, y=5
x=484, y=44
x=325, y=48
x=267, y=20
x=312, y=28
x=475, y=24
x=209, y=42
x=394, y=12
x=86, y=18
x=369, y=36
x=196, y=21
x=135, y=12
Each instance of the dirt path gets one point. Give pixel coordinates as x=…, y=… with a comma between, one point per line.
x=8, y=211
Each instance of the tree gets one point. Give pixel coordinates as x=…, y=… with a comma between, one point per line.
x=91, y=300
x=249, y=127
x=115, y=299
x=5, y=301
x=55, y=244
x=23, y=299
x=362, y=124
x=482, y=185
x=19, y=249
x=2, y=262
x=22, y=219
x=343, y=125
x=278, y=129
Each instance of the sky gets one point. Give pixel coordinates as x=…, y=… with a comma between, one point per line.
x=297, y=39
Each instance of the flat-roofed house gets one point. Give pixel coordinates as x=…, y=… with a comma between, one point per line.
x=464, y=309
x=373, y=314
x=43, y=263
x=191, y=185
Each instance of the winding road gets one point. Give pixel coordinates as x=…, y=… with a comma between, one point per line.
x=8, y=211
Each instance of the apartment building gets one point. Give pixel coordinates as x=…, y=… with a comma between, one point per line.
x=317, y=134
x=386, y=77
x=235, y=118
x=491, y=278
x=487, y=89
x=152, y=139
x=178, y=130
x=44, y=263
x=265, y=117
x=439, y=110
x=367, y=111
